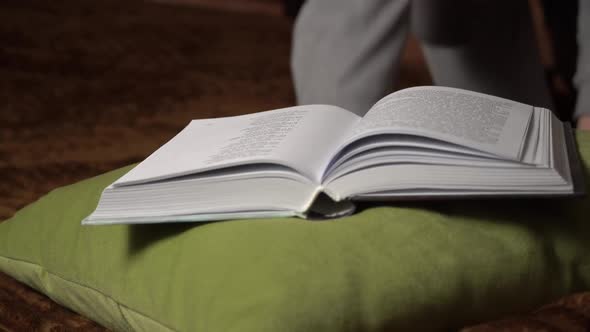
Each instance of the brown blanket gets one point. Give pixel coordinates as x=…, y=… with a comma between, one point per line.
x=88, y=86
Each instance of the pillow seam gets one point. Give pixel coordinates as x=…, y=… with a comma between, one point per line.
x=119, y=304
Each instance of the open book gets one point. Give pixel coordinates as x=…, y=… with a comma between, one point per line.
x=417, y=143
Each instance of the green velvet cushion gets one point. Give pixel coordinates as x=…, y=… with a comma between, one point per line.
x=438, y=266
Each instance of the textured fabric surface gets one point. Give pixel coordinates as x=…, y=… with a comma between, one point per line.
x=383, y=268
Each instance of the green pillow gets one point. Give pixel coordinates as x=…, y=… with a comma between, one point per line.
x=436, y=266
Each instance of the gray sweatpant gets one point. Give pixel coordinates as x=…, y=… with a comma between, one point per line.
x=347, y=52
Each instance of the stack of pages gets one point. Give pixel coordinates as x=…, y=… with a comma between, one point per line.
x=417, y=143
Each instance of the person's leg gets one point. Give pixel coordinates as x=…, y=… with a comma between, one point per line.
x=582, y=76
x=498, y=57
x=346, y=52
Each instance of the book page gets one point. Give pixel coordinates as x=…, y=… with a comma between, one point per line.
x=301, y=138
x=483, y=122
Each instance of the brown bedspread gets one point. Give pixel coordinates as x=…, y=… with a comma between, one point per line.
x=88, y=86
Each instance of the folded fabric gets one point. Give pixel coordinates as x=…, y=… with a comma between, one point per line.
x=434, y=266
